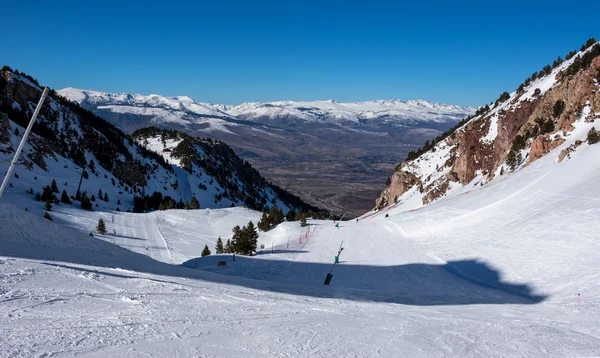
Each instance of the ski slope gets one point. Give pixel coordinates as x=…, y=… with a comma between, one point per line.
x=492, y=272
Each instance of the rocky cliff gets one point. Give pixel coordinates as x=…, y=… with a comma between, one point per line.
x=541, y=117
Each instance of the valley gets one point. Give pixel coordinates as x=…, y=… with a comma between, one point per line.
x=333, y=155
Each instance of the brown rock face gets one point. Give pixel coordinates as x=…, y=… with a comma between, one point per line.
x=401, y=182
x=438, y=190
x=541, y=146
x=470, y=154
x=509, y=126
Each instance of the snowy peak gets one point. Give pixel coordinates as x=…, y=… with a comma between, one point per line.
x=393, y=111
x=331, y=111
x=96, y=99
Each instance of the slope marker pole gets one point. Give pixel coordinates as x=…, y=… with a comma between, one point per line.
x=23, y=141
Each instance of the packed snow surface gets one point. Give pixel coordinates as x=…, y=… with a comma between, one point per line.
x=495, y=271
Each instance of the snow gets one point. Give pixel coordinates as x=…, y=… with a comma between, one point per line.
x=394, y=111
x=493, y=271
x=183, y=109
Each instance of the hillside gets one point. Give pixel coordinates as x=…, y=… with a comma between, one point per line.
x=69, y=141
x=550, y=114
x=331, y=154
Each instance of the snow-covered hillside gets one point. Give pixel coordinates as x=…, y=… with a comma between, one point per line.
x=550, y=114
x=68, y=141
x=495, y=272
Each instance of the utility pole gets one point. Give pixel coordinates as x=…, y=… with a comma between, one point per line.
x=81, y=177
x=23, y=141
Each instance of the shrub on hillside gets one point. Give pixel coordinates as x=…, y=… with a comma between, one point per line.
x=593, y=137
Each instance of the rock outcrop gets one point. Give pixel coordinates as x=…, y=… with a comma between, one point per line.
x=523, y=128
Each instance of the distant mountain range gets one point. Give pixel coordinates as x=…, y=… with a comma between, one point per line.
x=332, y=154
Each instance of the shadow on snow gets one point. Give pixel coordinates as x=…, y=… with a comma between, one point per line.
x=463, y=282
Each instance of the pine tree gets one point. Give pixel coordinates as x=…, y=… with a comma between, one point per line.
x=194, y=203
x=237, y=239
x=64, y=197
x=291, y=215
x=47, y=216
x=219, y=247
x=48, y=206
x=263, y=223
x=275, y=216
x=559, y=107
x=86, y=204
x=228, y=247
x=100, y=196
x=252, y=238
x=593, y=137
x=105, y=197
x=101, y=228
x=511, y=160
x=303, y=220
x=206, y=251
x=54, y=187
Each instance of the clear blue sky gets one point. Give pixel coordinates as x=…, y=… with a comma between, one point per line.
x=230, y=52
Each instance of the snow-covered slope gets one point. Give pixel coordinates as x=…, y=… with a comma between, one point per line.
x=549, y=115
x=495, y=272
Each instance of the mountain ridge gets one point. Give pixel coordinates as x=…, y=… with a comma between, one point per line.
x=550, y=112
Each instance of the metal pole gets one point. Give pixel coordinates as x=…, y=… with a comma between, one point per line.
x=81, y=177
x=288, y=245
x=23, y=141
x=273, y=243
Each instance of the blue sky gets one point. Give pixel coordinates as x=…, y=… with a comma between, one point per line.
x=460, y=52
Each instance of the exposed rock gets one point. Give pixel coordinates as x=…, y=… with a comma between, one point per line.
x=471, y=156
x=543, y=145
x=439, y=189
x=565, y=153
x=401, y=182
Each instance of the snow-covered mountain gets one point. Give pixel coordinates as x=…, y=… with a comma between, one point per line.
x=182, y=107
x=389, y=111
x=67, y=139
x=553, y=113
x=286, y=140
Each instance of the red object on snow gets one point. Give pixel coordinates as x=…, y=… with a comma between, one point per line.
x=222, y=263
